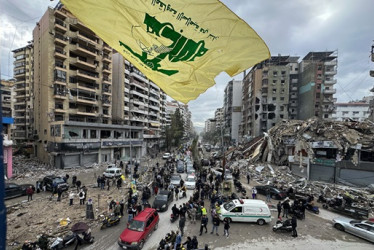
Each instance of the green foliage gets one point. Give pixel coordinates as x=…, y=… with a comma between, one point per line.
x=174, y=132
x=212, y=137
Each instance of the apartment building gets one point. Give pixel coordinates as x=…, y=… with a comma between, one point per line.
x=72, y=96
x=23, y=129
x=210, y=125
x=371, y=102
x=219, y=117
x=7, y=94
x=269, y=95
x=138, y=102
x=232, y=106
x=316, y=86
x=357, y=111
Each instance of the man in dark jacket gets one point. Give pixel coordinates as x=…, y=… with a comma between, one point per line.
x=195, y=243
x=286, y=208
x=188, y=243
x=182, y=222
x=216, y=222
x=294, y=225
x=204, y=222
x=279, y=208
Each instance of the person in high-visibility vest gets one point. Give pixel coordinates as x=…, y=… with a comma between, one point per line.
x=218, y=209
x=203, y=211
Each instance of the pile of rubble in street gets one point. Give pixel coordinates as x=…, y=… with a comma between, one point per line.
x=267, y=157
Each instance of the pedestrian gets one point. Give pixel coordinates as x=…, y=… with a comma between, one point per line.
x=226, y=226
x=130, y=215
x=203, y=210
x=85, y=190
x=286, y=208
x=98, y=181
x=74, y=180
x=29, y=192
x=122, y=206
x=176, y=193
x=59, y=193
x=78, y=184
x=188, y=243
x=279, y=208
x=178, y=241
x=117, y=209
x=119, y=182
x=254, y=193
x=182, y=222
x=81, y=197
x=248, y=177
x=193, y=214
x=121, y=164
x=204, y=222
x=294, y=225
x=71, y=198
x=195, y=243
x=216, y=222
x=108, y=183
x=268, y=195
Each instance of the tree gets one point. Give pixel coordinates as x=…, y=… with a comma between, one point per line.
x=174, y=132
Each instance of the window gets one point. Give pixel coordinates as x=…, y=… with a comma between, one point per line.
x=275, y=73
x=326, y=116
x=283, y=73
x=93, y=134
x=345, y=113
x=282, y=98
x=84, y=133
x=356, y=112
x=274, y=91
x=274, y=98
x=237, y=210
x=283, y=81
x=60, y=75
x=367, y=156
x=274, y=82
x=281, y=116
x=104, y=134
x=149, y=221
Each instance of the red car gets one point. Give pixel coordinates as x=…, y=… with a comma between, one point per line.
x=140, y=228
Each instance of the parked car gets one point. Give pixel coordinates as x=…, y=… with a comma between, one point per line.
x=205, y=162
x=50, y=179
x=190, y=182
x=112, y=172
x=162, y=200
x=175, y=180
x=360, y=228
x=140, y=228
x=13, y=190
x=166, y=156
x=275, y=193
x=190, y=170
x=180, y=167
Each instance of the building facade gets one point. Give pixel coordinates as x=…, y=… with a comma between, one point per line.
x=357, y=111
x=316, y=85
x=371, y=102
x=269, y=95
x=23, y=130
x=232, y=111
x=219, y=117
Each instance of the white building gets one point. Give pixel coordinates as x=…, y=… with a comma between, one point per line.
x=357, y=111
x=210, y=125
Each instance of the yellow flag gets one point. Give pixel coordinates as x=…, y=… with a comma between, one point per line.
x=179, y=45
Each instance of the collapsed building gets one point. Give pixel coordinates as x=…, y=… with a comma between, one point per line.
x=318, y=150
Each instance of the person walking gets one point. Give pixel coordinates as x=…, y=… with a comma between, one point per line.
x=29, y=192
x=254, y=193
x=216, y=222
x=182, y=222
x=108, y=183
x=81, y=197
x=78, y=184
x=71, y=198
x=279, y=209
x=286, y=208
x=248, y=177
x=294, y=225
x=193, y=214
x=122, y=206
x=204, y=222
x=226, y=226
x=176, y=193
x=117, y=209
x=268, y=195
x=178, y=241
x=130, y=215
x=59, y=193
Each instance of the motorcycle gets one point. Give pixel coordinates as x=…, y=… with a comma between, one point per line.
x=174, y=217
x=61, y=243
x=312, y=208
x=110, y=220
x=283, y=225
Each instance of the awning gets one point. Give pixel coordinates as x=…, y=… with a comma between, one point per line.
x=155, y=124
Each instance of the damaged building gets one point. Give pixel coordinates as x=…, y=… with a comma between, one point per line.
x=319, y=150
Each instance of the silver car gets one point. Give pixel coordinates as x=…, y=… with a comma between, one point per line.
x=360, y=228
x=175, y=180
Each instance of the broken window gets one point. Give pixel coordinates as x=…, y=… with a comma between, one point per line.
x=93, y=134
x=325, y=153
x=281, y=108
x=274, y=98
x=281, y=116
x=117, y=134
x=271, y=115
x=367, y=156
x=73, y=134
x=274, y=82
x=271, y=107
x=275, y=73
x=104, y=134
x=84, y=133
x=282, y=98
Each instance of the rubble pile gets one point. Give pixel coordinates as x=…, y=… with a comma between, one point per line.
x=344, y=135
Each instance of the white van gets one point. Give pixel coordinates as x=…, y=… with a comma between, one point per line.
x=246, y=210
x=111, y=172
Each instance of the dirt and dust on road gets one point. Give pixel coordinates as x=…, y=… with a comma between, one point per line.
x=26, y=221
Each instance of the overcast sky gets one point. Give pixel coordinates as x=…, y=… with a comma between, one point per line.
x=289, y=27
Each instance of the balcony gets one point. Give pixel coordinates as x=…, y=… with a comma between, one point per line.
x=86, y=75
x=87, y=39
x=60, y=14
x=331, y=81
x=157, y=108
x=331, y=63
x=60, y=53
x=154, y=100
x=329, y=91
x=330, y=100
x=294, y=89
x=140, y=85
x=139, y=76
x=61, y=40
x=85, y=100
x=138, y=110
x=60, y=26
x=60, y=81
x=85, y=51
x=107, y=80
x=107, y=59
x=107, y=69
x=134, y=92
x=92, y=113
x=107, y=48
x=86, y=88
x=59, y=94
x=331, y=72
x=60, y=66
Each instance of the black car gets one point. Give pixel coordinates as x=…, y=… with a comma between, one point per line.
x=50, y=179
x=13, y=190
x=275, y=193
x=180, y=167
x=162, y=200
